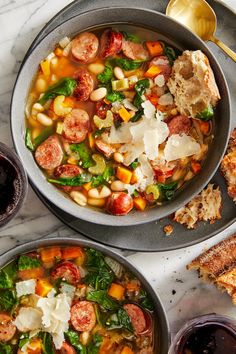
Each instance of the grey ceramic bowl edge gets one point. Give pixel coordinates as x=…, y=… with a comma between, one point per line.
x=161, y=323
x=139, y=17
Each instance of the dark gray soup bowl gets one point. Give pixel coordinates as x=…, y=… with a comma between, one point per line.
x=162, y=336
x=176, y=35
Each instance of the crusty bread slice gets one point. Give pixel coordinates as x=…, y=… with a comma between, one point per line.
x=218, y=265
x=228, y=166
x=192, y=83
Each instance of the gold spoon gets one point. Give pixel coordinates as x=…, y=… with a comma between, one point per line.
x=200, y=18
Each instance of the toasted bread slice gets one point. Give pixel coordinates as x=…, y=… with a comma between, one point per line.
x=218, y=265
x=192, y=83
x=228, y=166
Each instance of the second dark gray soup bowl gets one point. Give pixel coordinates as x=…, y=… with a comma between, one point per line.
x=162, y=338
x=173, y=33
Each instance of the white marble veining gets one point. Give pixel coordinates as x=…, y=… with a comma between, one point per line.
x=181, y=292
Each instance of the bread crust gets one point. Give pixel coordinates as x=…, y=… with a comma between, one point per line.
x=228, y=166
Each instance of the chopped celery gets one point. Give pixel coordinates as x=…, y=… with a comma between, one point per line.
x=59, y=128
x=120, y=85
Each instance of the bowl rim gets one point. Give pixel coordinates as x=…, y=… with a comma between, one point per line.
x=14, y=159
x=88, y=214
x=163, y=324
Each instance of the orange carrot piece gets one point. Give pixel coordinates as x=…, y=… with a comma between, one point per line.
x=59, y=52
x=127, y=350
x=153, y=99
x=43, y=287
x=34, y=273
x=153, y=71
x=161, y=178
x=154, y=48
x=116, y=291
x=35, y=346
x=204, y=127
x=72, y=253
x=49, y=254
x=196, y=167
x=140, y=203
x=124, y=174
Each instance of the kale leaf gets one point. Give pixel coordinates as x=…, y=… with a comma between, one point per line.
x=104, y=178
x=115, y=96
x=8, y=299
x=106, y=75
x=73, y=339
x=84, y=154
x=65, y=87
x=127, y=64
x=120, y=320
x=6, y=348
x=95, y=344
x=28, y=140
x=74, y=181
x=8, y=275
x=104, y=300
x=25, y=262
x=206, y=114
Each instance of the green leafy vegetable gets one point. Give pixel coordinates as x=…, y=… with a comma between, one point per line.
x=206, y=114
x=26, y=262
x=104, y=178
x=6, y=348
x=127, y=64
x=73, y=339
x=137, y=115
x=8, y=300
x=84, y=154
x=134, y=164
x=74, y=181
x=168, y=190
x=135, y=193
x=140, y=88
x=104, y=300
x=145, y=301
x=99, y=132
x=95, y=344
x=131, y=37
x=28, y=140
x=115, y=96
x=170, y=53
x=65, y=87
x=43, y=136
x=120, y=320
x=24, y=338
x=106, y=75
x=8, y=275
x=47, y=344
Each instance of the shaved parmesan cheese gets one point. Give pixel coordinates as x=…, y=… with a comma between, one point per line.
x=160, y=61
x=120, y=135
x=25, y=287
x=28, y=319
x=130, y=188
x=52, y=293
x=146, y=167
x=148, y=109
x=179, y=146
x=67, y=289
x=132, y=152
x=159, y=116
x=151, y=143
x=129, y=105
x=56, y=316
x=166, y=99
x=159, y=80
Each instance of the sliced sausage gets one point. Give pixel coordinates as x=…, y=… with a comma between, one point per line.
x=135, y=51
x=111, y=43
x=66, y=349
x=119, y=203
x=85, y=84
x=76, y=126
x=7, y=328
x=102, y=108
x=106, y=149
x=85, y=47
x=137, y=317
x=179, y=125
x=68, y=171
x=49, y=154
x=163, y=63
x=68, y=271
x=83, y=316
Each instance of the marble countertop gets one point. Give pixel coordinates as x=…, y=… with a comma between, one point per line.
x=182, y=293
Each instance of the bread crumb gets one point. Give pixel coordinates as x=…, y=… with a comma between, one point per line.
x=168, y=229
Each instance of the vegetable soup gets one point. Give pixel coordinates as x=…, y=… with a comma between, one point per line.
x=119, y=119
x=72, y=300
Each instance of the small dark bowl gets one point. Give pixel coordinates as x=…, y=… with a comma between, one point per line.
x=162, y=337
x=167, y=29
x=20, y=184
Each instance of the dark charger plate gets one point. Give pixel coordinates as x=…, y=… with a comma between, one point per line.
x=150, y=236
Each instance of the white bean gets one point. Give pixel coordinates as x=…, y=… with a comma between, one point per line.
x=117, y=186
x=98, y=94
x=79, y=198
x=96, y=202
x=41, y=85
x=118, y=157
x=118, y=72
x=93, y=193
x=44, y=119
x=54, y=62
x=96, y=68
x=85, y=337
x=38, y=107
x=104, y=193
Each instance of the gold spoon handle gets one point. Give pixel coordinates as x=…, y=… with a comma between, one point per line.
x=226, y=49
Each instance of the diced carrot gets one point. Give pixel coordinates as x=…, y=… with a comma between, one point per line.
x=124, y=114
x=72, y=160
x=87, y=186
x=195, y=167
x=153, y=98
x=124, y=174
x=116, y=291
x=133, y=286
x=43, y=287
x=127, y=350
x=153, y=71
x=45, y=66
x=154, y=48
x=204, y=127
x=91, y=140
x=49, y=254
x=140, y=203
x=72, y=252
x=106, y=101
x=34, y=273
x=69, y=102
x=35, y=347
x=59, y=52
x=134, y=178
